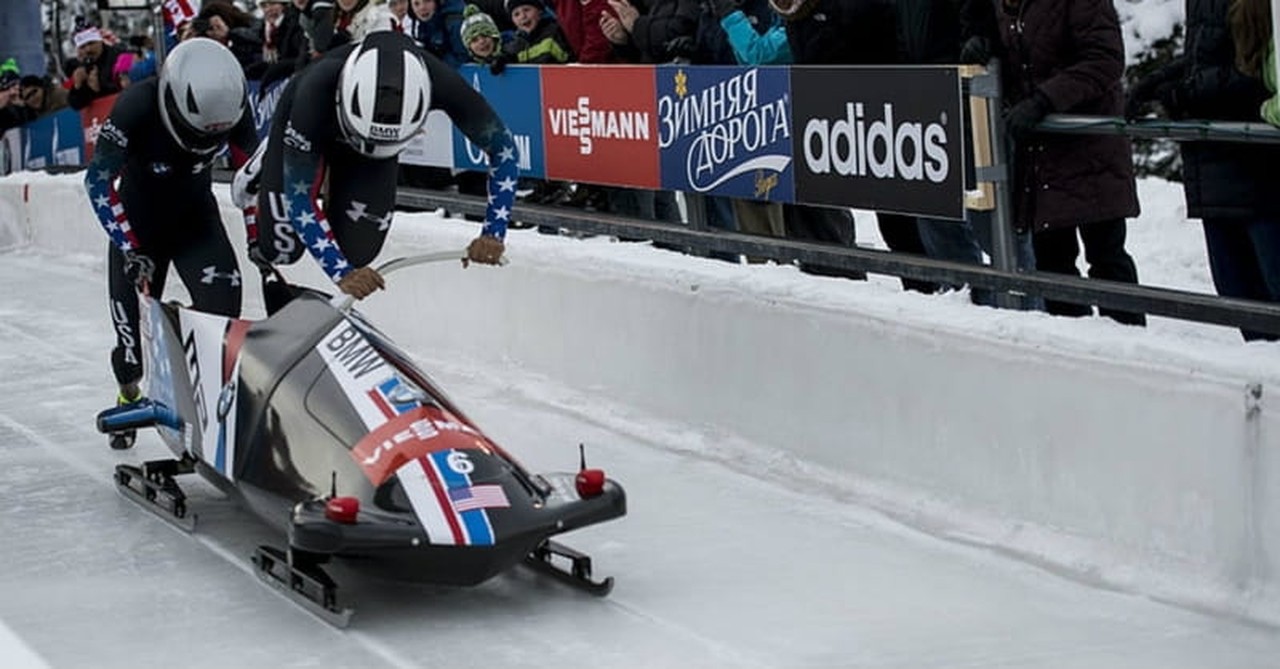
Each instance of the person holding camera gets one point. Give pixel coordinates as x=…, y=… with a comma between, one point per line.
x=91, y=71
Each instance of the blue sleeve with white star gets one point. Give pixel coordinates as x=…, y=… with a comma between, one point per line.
x=303, y=177
x=109, y=157
x=473, y=116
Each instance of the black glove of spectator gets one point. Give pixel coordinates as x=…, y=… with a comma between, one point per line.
x=1026, y=114
x=723, y=8
x=499, y=65
x=1156, y=87
x=976, y=51
x=682, y=47
x=138, y=268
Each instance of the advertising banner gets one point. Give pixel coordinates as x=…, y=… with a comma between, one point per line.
x=726, y=131
x=91, y=120
x=888, y=139
x=262, y=102
x=517, y=97
x=600, y=124
x=433, y=146
x=55, y=139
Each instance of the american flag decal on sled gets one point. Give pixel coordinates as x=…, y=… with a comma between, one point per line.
x=487, y=496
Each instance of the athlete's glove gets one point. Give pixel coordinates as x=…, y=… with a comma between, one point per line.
x=486, y=250
x=244, y=184
x=138, y=268
x=361, y=282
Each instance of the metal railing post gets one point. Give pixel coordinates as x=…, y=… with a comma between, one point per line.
x=1004, y=254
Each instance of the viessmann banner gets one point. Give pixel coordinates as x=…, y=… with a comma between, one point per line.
x=886, y=139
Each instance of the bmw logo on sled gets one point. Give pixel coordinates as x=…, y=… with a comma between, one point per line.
x=321, y=427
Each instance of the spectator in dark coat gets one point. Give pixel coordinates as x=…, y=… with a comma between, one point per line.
x=943, y=32
x=1229, y=186
x=436, y=26
x=91, y=70
x=649, y=30
x=1068, y=56
x=843, y=32
x=235, y=29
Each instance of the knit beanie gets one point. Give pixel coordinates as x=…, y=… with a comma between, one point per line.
x=512, y=4
x=475, y=23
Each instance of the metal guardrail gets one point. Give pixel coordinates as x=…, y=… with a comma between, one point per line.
x=1183, y=131
x=1184, y=305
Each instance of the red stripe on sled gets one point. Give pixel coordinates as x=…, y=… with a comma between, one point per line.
x=236, y=330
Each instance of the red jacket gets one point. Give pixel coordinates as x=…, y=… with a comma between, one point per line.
x=580, y=21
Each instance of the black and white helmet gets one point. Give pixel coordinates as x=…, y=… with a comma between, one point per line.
x=384, y=93
x=202, y=94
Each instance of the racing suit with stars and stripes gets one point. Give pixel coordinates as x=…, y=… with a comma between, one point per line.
x=155, y=198
x=306, y=145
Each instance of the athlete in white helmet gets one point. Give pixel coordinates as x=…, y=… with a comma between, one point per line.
x=347, y=117
x=160, y=140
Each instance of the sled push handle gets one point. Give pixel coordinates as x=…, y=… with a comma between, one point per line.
x=342, y=301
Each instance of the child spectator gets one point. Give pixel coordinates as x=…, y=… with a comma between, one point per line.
x=538, y=37
x=481, y=37
x=437, y=28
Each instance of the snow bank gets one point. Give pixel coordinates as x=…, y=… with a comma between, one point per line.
x=1137, y=459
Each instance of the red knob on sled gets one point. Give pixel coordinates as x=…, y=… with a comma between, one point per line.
x=589, y=482
x=342, y=509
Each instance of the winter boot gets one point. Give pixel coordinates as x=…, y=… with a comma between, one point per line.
x=123, y=440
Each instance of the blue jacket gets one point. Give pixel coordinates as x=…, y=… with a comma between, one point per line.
x=758, y=42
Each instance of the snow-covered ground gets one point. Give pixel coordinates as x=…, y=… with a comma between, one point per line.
x=733, y=553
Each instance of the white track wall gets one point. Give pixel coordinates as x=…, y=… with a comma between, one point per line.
x=1141, y=466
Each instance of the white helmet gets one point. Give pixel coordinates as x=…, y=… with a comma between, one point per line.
x=383, y=95
x=202, y=94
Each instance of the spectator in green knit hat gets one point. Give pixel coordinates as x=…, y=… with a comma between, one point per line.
x=480, y=35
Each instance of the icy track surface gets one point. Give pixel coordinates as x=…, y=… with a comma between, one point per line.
x=714, y=567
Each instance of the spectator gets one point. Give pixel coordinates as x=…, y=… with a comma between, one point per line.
x=940, y=32
x=13, y=112
x=144, y=58
x=284, y=42
x=484, y=45
x=481, y=37
x=580, y=21
x=91, y=70
x=1068, y=56
x=354, y=19
x=538, y=38
x=646, y=37
x=1255, y=49
x=1228, y=186
x=42, y=96
x=399, y=14
x=438, y=29
x=839, y=32
x=120, y=72
x=235, y=29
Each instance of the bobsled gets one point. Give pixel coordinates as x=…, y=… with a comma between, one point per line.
x=320, y=426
